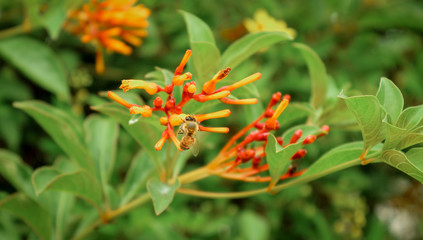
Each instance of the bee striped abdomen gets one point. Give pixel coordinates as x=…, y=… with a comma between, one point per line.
x=187, y=142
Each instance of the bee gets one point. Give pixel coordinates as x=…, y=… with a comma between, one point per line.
x=189, y=128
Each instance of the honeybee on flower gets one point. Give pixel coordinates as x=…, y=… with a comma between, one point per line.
x=189, y=128
x=190, y=125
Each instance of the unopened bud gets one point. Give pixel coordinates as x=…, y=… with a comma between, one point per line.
x=296, y=136
x=269, y=113
x=300, y=154
x=309, y=139
x=280, y=140
x=158, y=102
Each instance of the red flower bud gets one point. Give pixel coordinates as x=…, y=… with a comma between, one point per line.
x=259, y=125
x=325, y=129
x=276, y=97
x=158, y=102
x=170, y=103
x=168, y=89
x=309, y=139
x=269, y=113
x=280, y=140
x=256, y=162
x=300, y=154
x=296, y=136
x=262, y=136
x=287, y=97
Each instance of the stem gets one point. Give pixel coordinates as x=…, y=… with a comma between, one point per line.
x=126, y=208
x=297, y=181
x=194, y=175
x=168, y=168
x=205, y=194
x=87, y=230
x=13, y=31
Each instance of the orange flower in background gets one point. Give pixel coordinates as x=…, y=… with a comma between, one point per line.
x=262, y=21
x=109, y=25
x=174, y=115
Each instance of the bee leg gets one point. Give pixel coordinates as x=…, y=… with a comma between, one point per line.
x=180, y=131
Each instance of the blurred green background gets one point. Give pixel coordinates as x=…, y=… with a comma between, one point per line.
x=359, y=42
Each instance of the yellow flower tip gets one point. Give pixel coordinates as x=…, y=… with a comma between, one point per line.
x=116, y=46
x=245, y=81
x=271, y=122
x=239, y=101
x=87, y=38
x=184, y=61
x=145, y=110
x=149, y=87
x=118, y=99
x=192, y=88
x=131, y=39
x=218, y=95
x=163, y=121
x=176, y=119
x=218, y=114
x=214, y=129
x=210, y=86
x=179, y=79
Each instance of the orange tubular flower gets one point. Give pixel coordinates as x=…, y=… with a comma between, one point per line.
x=174, y=116
x=231, y=163
x=109, y=25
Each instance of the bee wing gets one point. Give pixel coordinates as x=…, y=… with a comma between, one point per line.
x=195, y=147
x=181, y=129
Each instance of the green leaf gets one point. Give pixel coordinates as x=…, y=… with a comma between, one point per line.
x=410, y=139
x=278, y=158
x=253, y=226
x=30, y=212
x=369, y=115
x=410, y=118
x=245, y=47
x=63, y=128
x=64, y=207
x=101, y=140
x=54, y=17
x=295, y=111
x=9, y=230
x=146, y=131
x=204, y=51
x=319, y=79
x=344, y=156
x=79, y=183
x=206, y=56
x=38, y=62
x=16, y=172
x=390, y=97
x=162, y=194
x=409, y=163
x=393, y=136
x=140, y=170
x=198, y=30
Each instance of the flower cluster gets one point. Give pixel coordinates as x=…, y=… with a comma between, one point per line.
x=264, y=22
x=232, y=159
x=110, y=25
x=174, y=116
